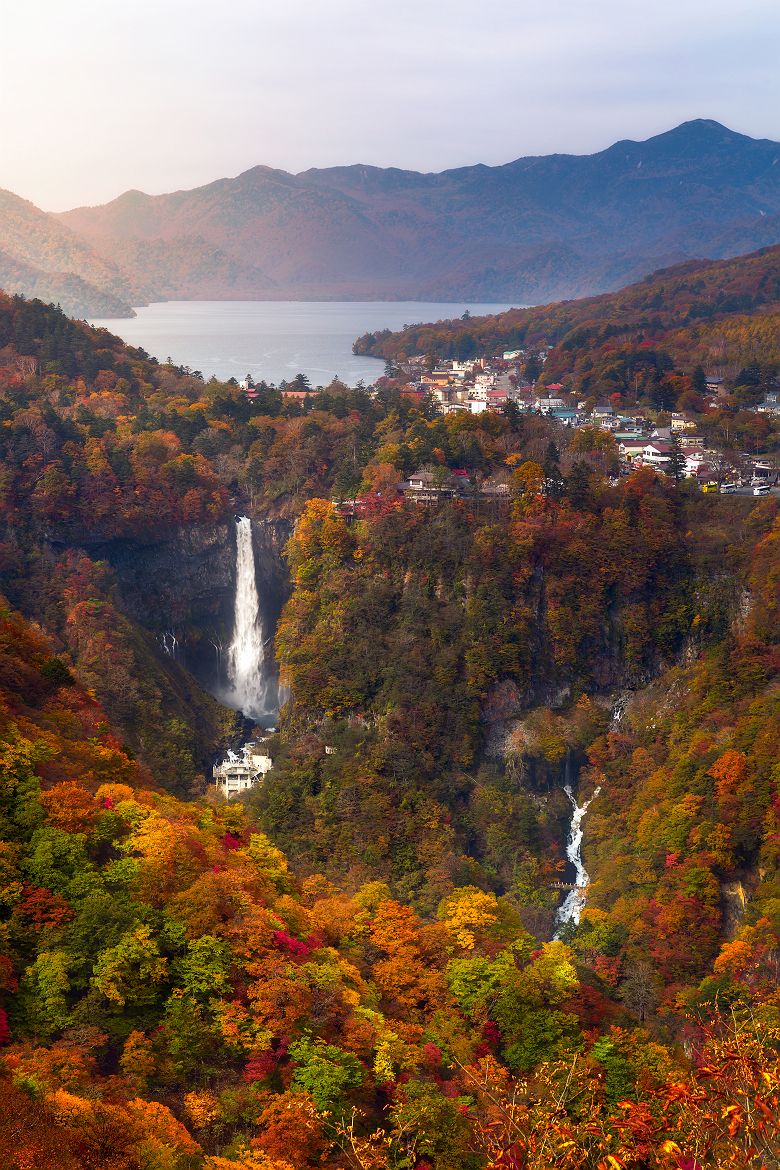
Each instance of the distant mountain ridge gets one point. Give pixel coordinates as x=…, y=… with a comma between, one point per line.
x=533, y=230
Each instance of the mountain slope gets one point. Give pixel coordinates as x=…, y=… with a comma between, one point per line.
x=534, y=229
x=686, y=296
x=77, y=296
x=41, y=257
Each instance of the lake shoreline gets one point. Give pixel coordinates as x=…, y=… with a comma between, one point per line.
x=273, y=341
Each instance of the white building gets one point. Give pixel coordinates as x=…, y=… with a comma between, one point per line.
x=237, y=774
x=656, y=454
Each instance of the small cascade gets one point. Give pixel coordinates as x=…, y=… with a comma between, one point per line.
x=248, y=686
x=574, y=902
x=218, y=651
x=619, y=708
x=169, y=643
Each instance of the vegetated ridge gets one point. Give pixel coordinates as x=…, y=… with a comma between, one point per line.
x=41, y=257
x=696, y=305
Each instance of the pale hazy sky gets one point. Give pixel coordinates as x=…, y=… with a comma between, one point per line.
x=99, y=96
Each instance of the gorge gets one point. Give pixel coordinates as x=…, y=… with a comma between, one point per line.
x=373, y=923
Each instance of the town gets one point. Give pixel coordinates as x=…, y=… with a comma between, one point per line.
x=676, y=443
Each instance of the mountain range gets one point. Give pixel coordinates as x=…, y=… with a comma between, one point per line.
x=532, y=230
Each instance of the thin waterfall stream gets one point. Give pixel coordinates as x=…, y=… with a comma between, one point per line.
x=572, y=906
x=248, y=684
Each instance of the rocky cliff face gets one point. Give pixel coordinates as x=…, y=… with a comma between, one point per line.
x=182, y=588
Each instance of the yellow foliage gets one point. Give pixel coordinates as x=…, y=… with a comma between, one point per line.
x=247, y=1160
x=269, y=860
x=467, y=913
x=202, y=1107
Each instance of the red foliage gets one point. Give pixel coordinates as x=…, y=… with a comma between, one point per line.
x=491, y=1033
x=432, y=1054
x=43, y=908
x=259, y=1067
x=294, y=945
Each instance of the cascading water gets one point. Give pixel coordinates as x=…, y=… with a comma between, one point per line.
x=574, y=902
x=169, y=643
x=246, y=653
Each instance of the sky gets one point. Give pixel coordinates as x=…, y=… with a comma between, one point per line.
x=99, y=97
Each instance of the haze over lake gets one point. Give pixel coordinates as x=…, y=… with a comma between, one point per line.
x=275, y=340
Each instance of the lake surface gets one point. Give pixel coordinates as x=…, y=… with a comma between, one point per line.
x=275, y=340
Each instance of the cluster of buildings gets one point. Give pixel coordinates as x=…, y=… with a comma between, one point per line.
x=488, y=384
x=641, y=444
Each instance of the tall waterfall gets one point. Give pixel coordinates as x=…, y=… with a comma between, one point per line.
x=246, y=653
x=573, y=905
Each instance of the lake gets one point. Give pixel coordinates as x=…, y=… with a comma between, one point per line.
x=275, y=340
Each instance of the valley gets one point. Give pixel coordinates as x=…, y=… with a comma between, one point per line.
x=495, y=666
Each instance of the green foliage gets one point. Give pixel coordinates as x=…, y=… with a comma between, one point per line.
x=45, y=994
x=130, y=970
x=324, y=1071
x=204, y=971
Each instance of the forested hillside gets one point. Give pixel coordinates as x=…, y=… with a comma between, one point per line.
x=175, y=998
x=40, y=257
x=355, y=966
x=711, y=313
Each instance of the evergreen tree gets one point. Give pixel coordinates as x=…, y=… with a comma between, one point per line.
x=553, y=480
x=578, y=485
x=676, y=468
x=699, y=380
x=532, y=368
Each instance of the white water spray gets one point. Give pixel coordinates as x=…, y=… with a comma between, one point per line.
x=246, y=654
x=572, y=907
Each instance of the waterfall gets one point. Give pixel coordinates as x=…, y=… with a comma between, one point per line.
x=245, y=657
x=169, y=643
x=572, y=906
